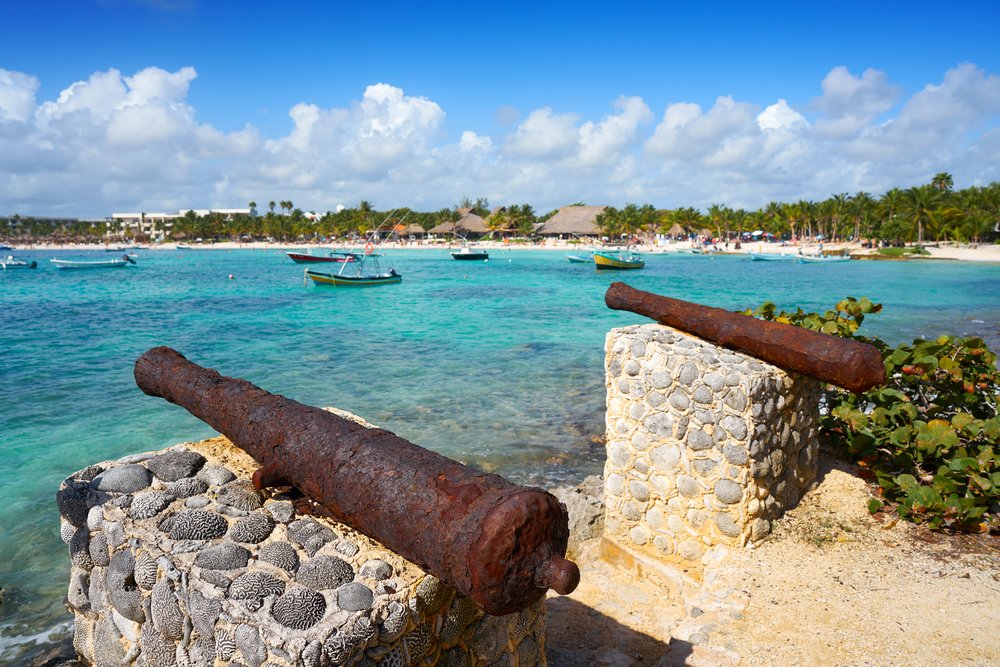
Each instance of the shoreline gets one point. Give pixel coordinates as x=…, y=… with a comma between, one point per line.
x=949, y=251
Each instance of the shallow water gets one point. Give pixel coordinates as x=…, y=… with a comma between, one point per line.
x=498, y=364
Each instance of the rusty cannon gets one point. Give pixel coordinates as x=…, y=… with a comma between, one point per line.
x=850, y=364
x=501, y=544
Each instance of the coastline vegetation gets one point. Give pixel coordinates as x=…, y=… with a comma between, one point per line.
x=928, y=436
x=930, y=212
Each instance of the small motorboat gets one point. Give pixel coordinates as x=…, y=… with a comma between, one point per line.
x=307, y=258
x=617, y=260
x=11, y=262
x=820, y=259
x=116, y=263
x=362, y=271
x=581, y=259
x=473, y=254
x=770, y=257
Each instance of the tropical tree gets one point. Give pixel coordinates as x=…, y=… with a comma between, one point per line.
x=270, y=205
x=860, y=207
x=920, y=204
x=943, y=182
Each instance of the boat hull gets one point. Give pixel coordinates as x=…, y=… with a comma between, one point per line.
x=100, y=264
x=772, y=257
x=321, y=278
x=806, y=259
x=580, y=259
x=605, y=262
x=8, y=263
x=470, y=256
x=301, y=258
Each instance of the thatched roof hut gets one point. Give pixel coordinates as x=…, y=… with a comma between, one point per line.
x=413, y=229
x=677, y=230
x=443, y=228
x=573, y=220
x=470, y=224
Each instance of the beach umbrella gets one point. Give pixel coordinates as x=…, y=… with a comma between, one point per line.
x=756, y=232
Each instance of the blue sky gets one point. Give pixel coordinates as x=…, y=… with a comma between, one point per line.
x=547, y=103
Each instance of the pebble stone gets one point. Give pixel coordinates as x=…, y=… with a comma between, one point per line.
x=731, y=430
x=163, y=581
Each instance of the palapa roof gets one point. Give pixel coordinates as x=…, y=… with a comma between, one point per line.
x=443, y=228
x=470, y=223
x=581, y=220
x=676, y=229
x=414, y=228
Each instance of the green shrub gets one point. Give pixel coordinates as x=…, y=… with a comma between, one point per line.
x=899, y=252
x=929, y=435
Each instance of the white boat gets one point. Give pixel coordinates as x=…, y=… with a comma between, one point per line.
x=770, y=257
x=820, y=259
x=116, y=263
x=469, y=253
x=11, y=262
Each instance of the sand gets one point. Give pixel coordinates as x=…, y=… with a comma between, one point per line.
x=831, y=586
x=965, y=252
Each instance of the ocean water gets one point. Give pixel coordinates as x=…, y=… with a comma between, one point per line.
x=498, y=364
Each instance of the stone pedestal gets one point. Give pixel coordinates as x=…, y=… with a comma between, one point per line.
x=176, y=560
x=705, y=445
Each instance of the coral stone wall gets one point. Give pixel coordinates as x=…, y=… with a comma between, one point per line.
x=177, y=560
x=705, y=445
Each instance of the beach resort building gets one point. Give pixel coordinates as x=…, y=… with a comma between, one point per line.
x=468, y=225
x=158, y=225
x=573, y=221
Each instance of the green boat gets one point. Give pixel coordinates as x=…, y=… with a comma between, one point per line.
x=362, y=270
x=617, y=260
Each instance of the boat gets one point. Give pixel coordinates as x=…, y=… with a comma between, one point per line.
x=770, y=257
x=116, y=263
x=11, y=262
x=617, y=260
x=183, y=246
x=355, y=273
x=467, y=253
x=332, y=256
x=581, y=259
x=819, y=259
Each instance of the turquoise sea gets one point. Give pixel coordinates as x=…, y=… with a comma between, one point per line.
x=498, y=364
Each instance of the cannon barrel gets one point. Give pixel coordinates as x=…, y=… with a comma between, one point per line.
x=850, y=364
x=501, y=544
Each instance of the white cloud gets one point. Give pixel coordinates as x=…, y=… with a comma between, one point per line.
x=114, y=142
x=602, y=143
x=849, y=103
x=544, y=134
x=780, y=116
x=471, y=141
x=17, y=96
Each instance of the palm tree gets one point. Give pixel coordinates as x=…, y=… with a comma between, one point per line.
x=943, y=182
x=270, y=205
x=253, y=208
x=920, y=203
x=860, y=206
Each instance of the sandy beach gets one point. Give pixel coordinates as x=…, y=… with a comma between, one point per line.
x=950, y=251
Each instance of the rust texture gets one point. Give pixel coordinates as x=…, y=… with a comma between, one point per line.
x=850, y=364
x=501, y=544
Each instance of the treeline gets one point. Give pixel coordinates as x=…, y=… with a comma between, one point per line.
x=934, y=211
x=930, y=212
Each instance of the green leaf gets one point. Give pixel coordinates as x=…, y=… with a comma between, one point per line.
x=874, y=505
x=906, y=482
